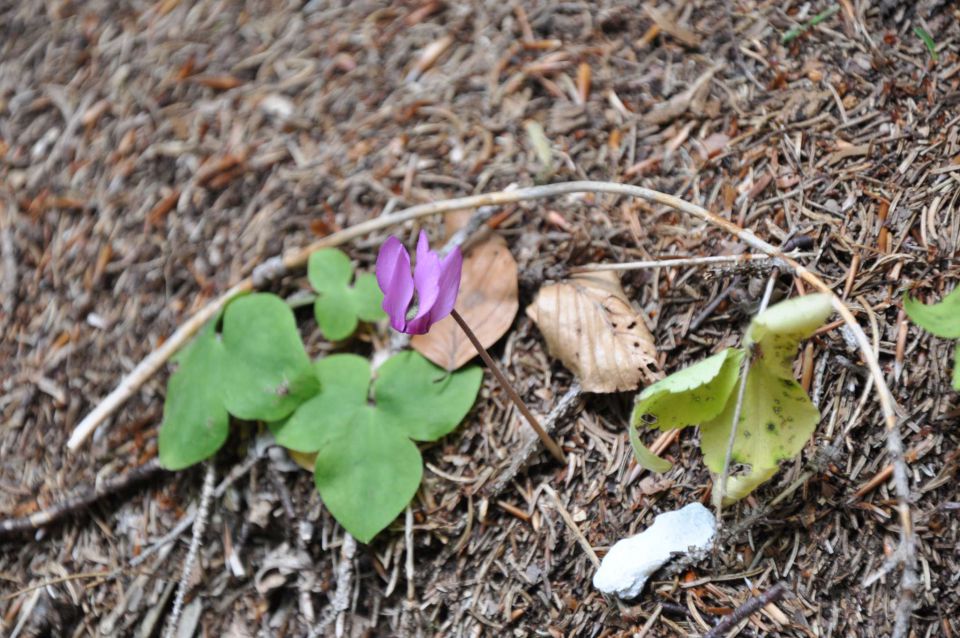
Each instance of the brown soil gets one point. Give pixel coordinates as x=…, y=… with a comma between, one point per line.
x=151, y=154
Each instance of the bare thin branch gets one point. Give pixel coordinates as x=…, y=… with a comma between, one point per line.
x=669, y=262
x=199, y=527
x=721, y=486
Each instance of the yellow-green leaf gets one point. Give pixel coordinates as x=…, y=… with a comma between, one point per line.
x=777, y=331
x=692, y=395
x=776, y=421
x=741, y=485
x=645, y=458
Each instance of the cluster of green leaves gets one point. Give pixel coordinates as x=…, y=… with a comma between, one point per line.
x=250, y=363
x=777, y=418
x=367, y=466
x=339, y=306
x=942, y=320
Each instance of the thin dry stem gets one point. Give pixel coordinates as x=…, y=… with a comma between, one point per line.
x=77, y=503
x=341, y=597
x=199, y=527
x=742, y=612
x=686, y=261
x=547, y=440
x=721, y=486
x=572, y=525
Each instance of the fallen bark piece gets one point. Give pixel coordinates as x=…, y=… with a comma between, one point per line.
x=630, y=562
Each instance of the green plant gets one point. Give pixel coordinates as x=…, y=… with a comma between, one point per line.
x=250, y=363
x=941, y=319
x=255, y=368
x=777, y=417
x=339, y=306
x=367, y=467
x=927, y=41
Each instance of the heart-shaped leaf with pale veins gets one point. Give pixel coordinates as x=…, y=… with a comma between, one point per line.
x=589, y=324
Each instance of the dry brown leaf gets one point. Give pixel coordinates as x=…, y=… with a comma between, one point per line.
x=591, y=327
x=306, y=460
x=487, y=302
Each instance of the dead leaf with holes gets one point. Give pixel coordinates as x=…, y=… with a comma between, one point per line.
x=591, y=327
x=487, y=302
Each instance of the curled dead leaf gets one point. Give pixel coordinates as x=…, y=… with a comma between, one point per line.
x=306, y=460
x=591, y=327
x=487, y=301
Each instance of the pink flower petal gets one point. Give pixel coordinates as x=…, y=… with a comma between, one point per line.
x=426, y=274
x=418, y=326
x=450, y=270
x=393, y=276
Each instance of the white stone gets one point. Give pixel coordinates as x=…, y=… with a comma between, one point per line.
x=278, y=106
x=630, y=562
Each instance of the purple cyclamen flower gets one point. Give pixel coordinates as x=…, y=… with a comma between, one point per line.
x=436, y=281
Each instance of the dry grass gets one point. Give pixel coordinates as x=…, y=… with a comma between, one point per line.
x=153, y=154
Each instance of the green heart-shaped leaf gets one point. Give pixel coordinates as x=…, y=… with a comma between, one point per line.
x=941, y=319
x=335, y=313
x=266, y=372
x=195, y=423
x=368, y=298
x=422, y=400
x=329, y=268
x=366, y=473
x=344, y=384
x=338, y=305
x=367, y=468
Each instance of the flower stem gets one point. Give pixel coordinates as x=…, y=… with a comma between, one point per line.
x=508, y=388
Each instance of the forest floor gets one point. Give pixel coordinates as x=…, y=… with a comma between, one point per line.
x=154, y=153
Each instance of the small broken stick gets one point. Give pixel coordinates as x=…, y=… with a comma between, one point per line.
x=753, y=604
x=73, y=504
